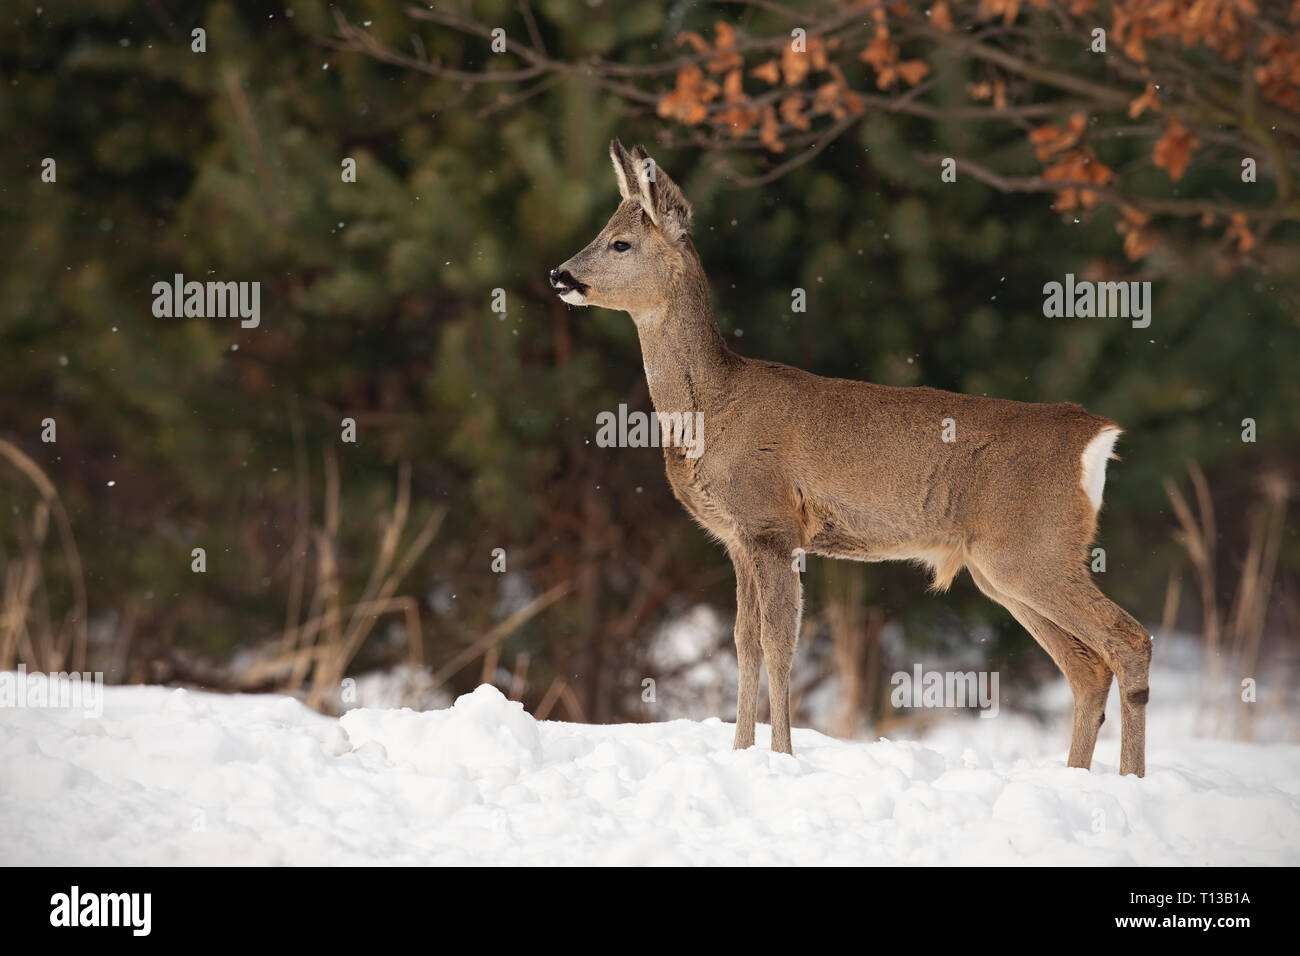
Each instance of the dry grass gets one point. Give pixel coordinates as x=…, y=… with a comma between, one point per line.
x=488, y=646
x=315, y=651
x=855, y=643
x=32, y=633
x=1232, y=640
x=323, y=631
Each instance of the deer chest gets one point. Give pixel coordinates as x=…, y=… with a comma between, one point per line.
x=694, y=488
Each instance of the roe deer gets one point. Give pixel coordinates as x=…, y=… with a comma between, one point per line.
x=854, y=470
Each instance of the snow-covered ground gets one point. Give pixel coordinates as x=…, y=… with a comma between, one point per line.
x=170, y=776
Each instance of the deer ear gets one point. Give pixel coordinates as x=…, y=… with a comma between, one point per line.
x=660, y=197
x=624, y=170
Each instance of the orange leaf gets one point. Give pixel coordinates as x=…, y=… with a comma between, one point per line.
x=1137, y=243
x=732, y=91
x=769, y=131
x=794, y=66
x=1134, y=216
x=880, y=52
x=1144, y=102
x=817, y=50
x=696, y=42
x=769, y=72
x=1173, y=151
x=1009, y=9
x=1238, y=230
x=1049, y=140
x=1138, y=240
x=685, y=102
x=941, y=16
x=728, y=58
x=1077, y=166
x=826, y=99
x=725, y=63
x=738, y=121
x=913, y=71
x=792, y=112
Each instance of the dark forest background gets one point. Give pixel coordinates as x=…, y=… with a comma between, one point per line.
x=475, y=428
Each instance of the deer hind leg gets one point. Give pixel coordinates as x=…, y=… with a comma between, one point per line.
x=780, y=597
x=749, y=649
x=1125, y=645
x=1084, y=670
x=1073, y=602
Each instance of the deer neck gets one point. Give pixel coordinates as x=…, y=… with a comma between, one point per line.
x=687, y=364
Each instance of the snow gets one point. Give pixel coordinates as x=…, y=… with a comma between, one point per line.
x=169, y=776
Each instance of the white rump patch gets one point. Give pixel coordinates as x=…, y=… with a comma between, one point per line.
x=1094, y=459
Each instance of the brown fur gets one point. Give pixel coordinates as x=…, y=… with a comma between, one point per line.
x=854, y=470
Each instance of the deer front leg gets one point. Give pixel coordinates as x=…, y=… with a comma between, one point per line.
x=749, y=650
x=779, y=596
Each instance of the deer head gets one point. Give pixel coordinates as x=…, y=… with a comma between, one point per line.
x=644, y=250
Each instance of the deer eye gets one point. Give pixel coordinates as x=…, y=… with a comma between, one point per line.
x=621, y=246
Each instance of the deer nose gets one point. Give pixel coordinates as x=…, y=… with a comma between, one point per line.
x=563, y=278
